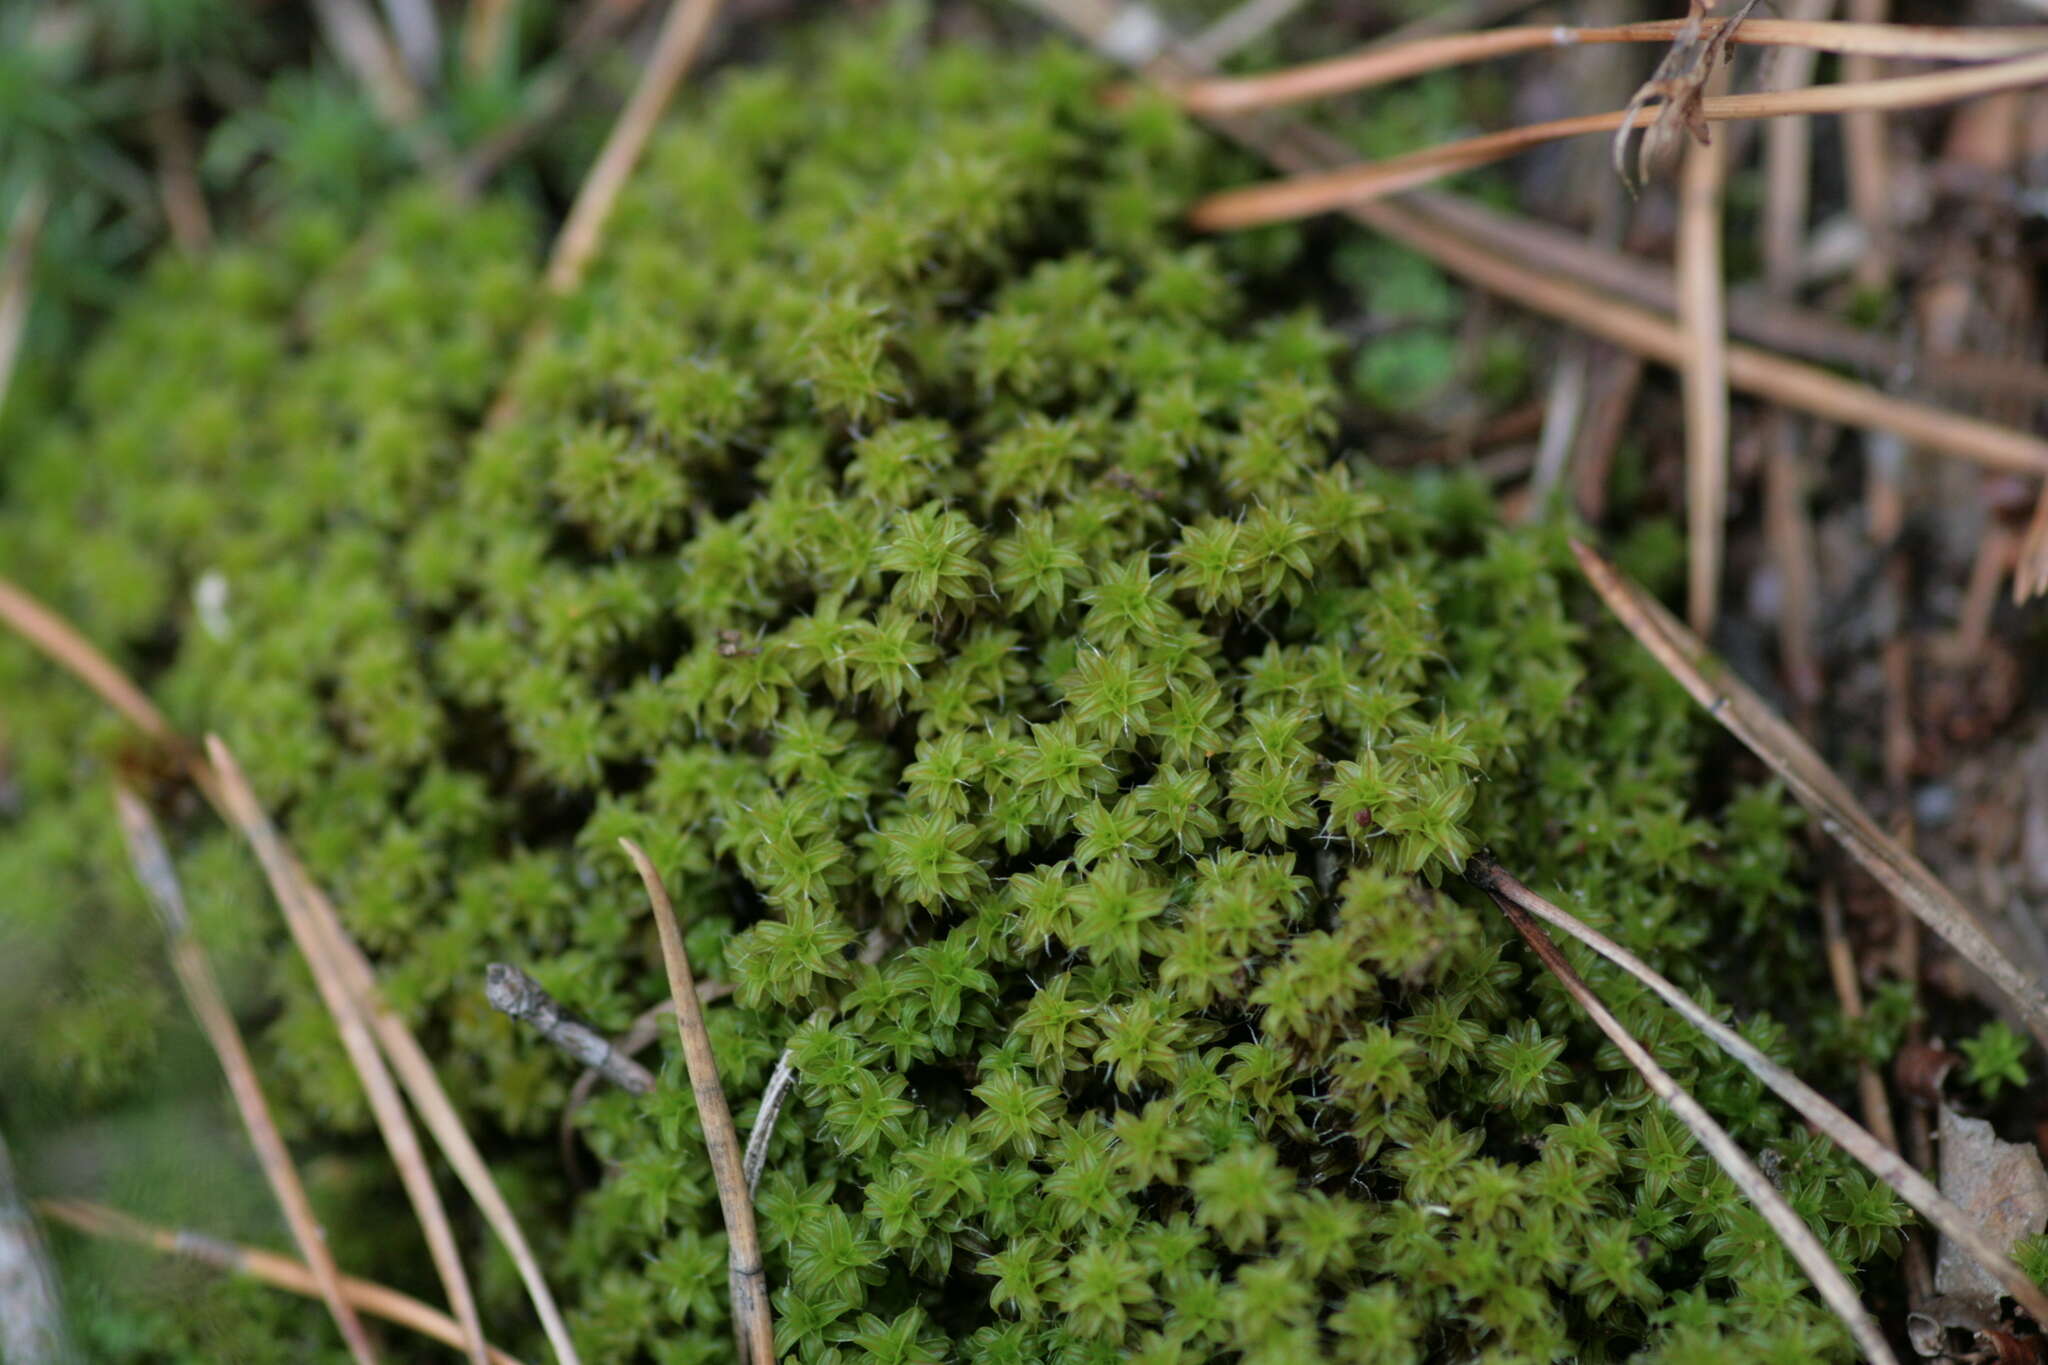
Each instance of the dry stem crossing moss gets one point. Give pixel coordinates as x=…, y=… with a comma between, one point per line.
x=905, y=529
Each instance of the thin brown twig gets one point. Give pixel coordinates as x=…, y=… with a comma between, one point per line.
x=752, y=1326
x=1842, y=817
x=1701, y=315
x=1882, y=1161
x=1380, y=65
x=675, y=47
x=1754, y=313
x=316, y=946
x=639, y=1035
x=512, y=992
x=416, y=1073
x=280, y=1272
x=1316, y=192
x=159, y=879
x=1833, y=1287
x=67, y=647
x=1868, y=159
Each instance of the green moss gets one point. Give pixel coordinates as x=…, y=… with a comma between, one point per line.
x=907, y=530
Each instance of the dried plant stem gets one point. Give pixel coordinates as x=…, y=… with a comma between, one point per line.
x=682, y=33
x=31, y=1314
x=513, y=992
x=749, y=1288
x=416, y=1073
x=1702, y=316
x=280, y=1272
x=1877, y=1109
x=1833, y=1287
x=1322, y=191
x=638, y=1035
x=159, y=880
x=675, y=47
x=1380, y=65
x=54, y=636
x=67, y=647
x=1842, y=817
x=1882, y=1161
x=1868, y=160
x=317, y=946
x=1758, y=372
x=1753, y=313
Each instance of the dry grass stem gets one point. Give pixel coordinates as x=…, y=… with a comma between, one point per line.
x=1302, y=196
x=1754, y=313
x=1833, y=1287
x=416, y=1073
x=682, y=33
x=1702, y=316
x=159, y=878
x=750, y=1320
x=280, y=1272
x=71, y=651
x=1380, y=65
x=66, y=647
x=511, y=991
x=1879, y=1158
x=638, y=1035
x=1868, y=160
x=288, y=883
x=1842, y=817
x=31, y=1313
x=1758, y=372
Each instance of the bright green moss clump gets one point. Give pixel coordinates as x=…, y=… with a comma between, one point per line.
x=907, y=531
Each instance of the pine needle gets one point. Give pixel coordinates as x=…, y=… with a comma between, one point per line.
x=1842, y=817
x=1382, y=65
x=1833, y=1286
x=1883, y=1162
x=1317, y=192
x=280, y=1272
x=64, y=645
x=153, y=868
x=750, y=1320
x=288, y=883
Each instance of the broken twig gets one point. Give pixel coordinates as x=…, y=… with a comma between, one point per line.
x=159, y=880
x=280, y=1272
x=1845, y=1132
x=513, y=992
x=1752, y=721
x=1833, y=1287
